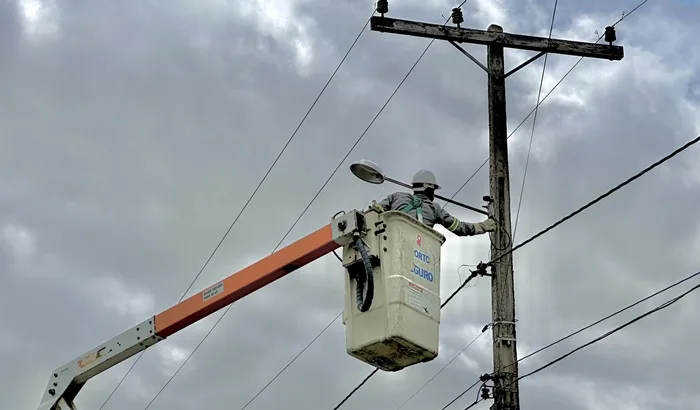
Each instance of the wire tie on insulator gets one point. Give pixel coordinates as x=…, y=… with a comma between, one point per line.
x=457, y=16
x=382, y=7
x=610, y=34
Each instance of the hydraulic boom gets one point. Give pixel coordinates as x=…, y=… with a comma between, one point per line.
x=66, y=381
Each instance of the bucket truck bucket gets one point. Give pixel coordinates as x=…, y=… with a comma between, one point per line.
x=392, y=291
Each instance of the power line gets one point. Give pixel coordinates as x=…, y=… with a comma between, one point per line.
x=534, y=110
x=628, y=307
x=591, y=203
x=542, y=101
x=445, y=366
x=572, y=334
x=309, y=205
x=461, y=394
x=473, y=404
x=539, y=234
x=292, y=361
x=304, y=212
x=611, y=332
x=284, y=148
x=600, y=198
x=534, y=122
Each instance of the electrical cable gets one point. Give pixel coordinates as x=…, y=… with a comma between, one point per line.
x=570, y=335
x=460, y=275
x=599, y=198
x=543, y=99
x=323, y=187
x=248, y=202
x=292, y=361
x=260, y=184
x=445, y=366
x=581, y=209
x=473, y=404
x=319, y=191
x=420, y=57
x=461, y=394
x=611, y=332
x=622, y=310
x=534, y=122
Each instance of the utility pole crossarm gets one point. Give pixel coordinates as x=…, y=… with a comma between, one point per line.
x=507, y=40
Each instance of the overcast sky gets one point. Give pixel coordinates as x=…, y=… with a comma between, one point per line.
x=132, y=133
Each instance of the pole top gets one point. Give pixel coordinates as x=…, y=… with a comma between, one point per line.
x=496, y=28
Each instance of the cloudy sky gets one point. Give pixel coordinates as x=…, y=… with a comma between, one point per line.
x=133, y=132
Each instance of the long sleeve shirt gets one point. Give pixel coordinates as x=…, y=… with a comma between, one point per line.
x=432, y=213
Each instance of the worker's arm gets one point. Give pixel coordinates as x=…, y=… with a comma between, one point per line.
x=461, y=228
x=384, y=204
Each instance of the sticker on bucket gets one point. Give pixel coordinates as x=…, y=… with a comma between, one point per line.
x=417, y=298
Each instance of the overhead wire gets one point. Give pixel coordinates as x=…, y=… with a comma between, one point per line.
x=596, y=200
x=292, y=361
x=284, y=148
x=534, y=110
x=471, y=177
x=467, y=390
x=572, y=334
x=534, y=123
x=483, y=331
x=599, y=198
x=583, y=329
x=613, y=331
x=626, y=308
x=255, y=191
x=313, y=199
x=306, y=209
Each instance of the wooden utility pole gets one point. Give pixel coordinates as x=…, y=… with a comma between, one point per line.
x=505, y=358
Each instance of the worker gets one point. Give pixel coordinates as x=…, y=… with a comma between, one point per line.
x=420, y=206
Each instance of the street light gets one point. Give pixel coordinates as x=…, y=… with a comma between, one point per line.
x=370, y=172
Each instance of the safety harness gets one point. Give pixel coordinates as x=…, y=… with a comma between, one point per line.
x=417, y=204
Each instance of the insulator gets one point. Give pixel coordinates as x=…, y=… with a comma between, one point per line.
x=457, y=17
x=610, y=34
x=382, y=6
x=485, y=393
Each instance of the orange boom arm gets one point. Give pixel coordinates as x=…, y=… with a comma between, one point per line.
x=66, y=381
x=245, y=281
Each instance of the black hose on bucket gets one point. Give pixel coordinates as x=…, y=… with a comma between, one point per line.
x=364, y=301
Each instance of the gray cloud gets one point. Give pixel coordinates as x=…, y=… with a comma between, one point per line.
x=132, y=133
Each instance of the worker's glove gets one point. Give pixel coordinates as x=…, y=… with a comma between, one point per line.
x=375, y=206
x=488, y=225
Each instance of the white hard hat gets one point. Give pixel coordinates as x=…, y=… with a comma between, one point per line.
x=425, y=177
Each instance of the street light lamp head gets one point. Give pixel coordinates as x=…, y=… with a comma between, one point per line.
x=367, y=171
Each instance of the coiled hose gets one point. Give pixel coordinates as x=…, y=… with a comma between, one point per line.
x=364, y=301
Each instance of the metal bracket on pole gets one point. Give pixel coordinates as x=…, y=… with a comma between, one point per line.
x=525, y=63
x=66, y=381
x=471, y=57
